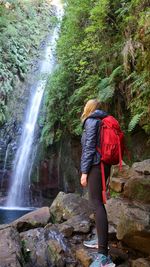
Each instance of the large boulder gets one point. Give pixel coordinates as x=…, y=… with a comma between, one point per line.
x=35, y=246
x=141, y=168
x=34, y=219
x=47, y=247
x=138, y=188
x=58, y=242
x=131, y=222
x=65, y=206
x=10, y=248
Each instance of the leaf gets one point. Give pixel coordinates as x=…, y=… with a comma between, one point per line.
x=134, y=121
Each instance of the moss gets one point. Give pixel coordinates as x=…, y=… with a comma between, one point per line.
x=25, y=253
x=54, y=253
x=114, y=194
x=53, y=218
x=141, y=191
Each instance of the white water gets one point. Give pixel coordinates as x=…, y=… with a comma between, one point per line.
x=18, y=195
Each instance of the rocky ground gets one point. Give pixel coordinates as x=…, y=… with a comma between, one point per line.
x=49, y=237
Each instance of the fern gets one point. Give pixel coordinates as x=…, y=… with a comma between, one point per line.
x=115, y=73
x=105, y=94
x=134, y=121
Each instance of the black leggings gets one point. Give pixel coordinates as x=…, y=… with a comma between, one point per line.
x=95, y=197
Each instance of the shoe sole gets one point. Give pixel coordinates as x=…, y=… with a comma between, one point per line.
x=109, y=265
x=91, y=246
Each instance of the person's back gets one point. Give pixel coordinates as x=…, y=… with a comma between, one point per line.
x=91, y=176
x=91, y=127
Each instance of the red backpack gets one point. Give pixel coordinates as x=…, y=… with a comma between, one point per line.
x=111, y=146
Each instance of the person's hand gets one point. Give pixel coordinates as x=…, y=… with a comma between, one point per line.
x=83, y=179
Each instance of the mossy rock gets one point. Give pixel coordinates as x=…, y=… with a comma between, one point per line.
x=138, y=189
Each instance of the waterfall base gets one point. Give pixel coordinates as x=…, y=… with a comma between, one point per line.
x=8, y=215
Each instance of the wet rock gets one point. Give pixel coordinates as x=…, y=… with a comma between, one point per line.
x=10, y=248
x=48, y=247
x=6, y=164
x=140, y=263
x=138, y=188
x=34, y=243
x=65, y=206
x=34, y=219
x=132, y=223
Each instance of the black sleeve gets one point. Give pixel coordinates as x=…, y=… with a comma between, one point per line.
x=90, y=143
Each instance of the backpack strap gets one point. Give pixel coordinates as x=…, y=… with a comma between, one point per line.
x=104, y=198
x=120, y=156
x=103, y=182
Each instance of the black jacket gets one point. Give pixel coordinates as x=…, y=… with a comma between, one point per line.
x=90, y=140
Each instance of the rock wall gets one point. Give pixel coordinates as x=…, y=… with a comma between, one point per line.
x=59, y=170
x=10, y=132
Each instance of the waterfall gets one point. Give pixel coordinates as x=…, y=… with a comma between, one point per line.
x=18, y=195
x=5, y=164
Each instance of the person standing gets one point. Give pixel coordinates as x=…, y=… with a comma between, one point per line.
x=91, y=176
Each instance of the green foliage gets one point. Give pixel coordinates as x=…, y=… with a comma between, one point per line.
x=23, y=24
x=114, y=194
x=103, y=52
x=25, y=253
x=56, y=105
x=134, y=121
x=107, y=85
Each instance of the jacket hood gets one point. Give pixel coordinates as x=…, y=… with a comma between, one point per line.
x=99, y=114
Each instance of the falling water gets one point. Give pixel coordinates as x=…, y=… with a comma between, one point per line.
x=18, y=196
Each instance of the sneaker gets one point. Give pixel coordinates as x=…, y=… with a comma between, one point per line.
x=91, y=243
x=102, y=261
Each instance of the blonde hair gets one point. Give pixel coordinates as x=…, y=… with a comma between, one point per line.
x=89, y=108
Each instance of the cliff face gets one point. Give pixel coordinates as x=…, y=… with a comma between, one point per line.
x=24, y=30
x=58, y=169
x=103, y=52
